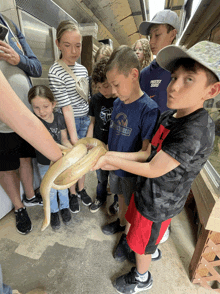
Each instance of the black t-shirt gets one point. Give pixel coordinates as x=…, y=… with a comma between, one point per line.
x=189, y=140
x=101, y=108
x=54, y=128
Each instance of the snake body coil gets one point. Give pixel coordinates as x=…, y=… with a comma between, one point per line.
x=69, y=169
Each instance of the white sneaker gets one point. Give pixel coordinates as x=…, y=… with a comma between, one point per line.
x=165, y=236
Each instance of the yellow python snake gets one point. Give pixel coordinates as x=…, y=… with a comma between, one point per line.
x=65, y=172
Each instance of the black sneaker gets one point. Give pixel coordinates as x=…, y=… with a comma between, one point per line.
x=122, y=249
x=36, y=200
x=86, y=200
x=128, y=283
x=23, y=222
x=66, y=215
x=55, y=220
x=96, y=205
x=74, y=203
x=113, y=208
x=113, y=228
x=154, y=257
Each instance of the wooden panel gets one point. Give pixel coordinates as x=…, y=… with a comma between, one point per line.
x=207, y=202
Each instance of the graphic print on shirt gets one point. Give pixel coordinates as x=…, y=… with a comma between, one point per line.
x=120, y=125
x=159, y=137
x=155, y=83
x=55, y=132
x=105, y=114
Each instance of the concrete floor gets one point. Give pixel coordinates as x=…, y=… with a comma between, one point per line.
x=78, y=258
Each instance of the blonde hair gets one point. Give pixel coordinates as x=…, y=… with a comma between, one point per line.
x=105, y=51
x=66, y=25
x=148, y=56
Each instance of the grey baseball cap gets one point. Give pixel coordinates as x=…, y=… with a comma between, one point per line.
x=165, y=16
x=204, y=52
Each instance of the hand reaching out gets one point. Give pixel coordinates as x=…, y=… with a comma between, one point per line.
x=104, y=163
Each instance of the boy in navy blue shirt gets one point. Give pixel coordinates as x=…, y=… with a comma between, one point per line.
x=182, y=142
x=132, y=123
x=162, y=31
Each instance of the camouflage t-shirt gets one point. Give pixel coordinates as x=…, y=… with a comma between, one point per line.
x=189, y=140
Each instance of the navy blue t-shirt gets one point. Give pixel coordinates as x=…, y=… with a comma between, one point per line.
x=154, y=81
x=130, y=125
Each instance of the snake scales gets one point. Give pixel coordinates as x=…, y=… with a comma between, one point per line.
x=65, y=172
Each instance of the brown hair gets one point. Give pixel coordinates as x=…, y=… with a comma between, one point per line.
x=66, y=25
x=190, y=64
x=41, y=91
x=105, y=50
x=124, y=59
x=98, y=74
x=148, y=56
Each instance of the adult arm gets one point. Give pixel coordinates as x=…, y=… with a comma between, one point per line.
x=28, y=62
x=13, y=55
x=17, y=116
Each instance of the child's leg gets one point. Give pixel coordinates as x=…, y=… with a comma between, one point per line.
x=101, y=190
x=55, y=221
x=86, y=199
x=73, y=200
x=64, y=198
x=142, y=262
x=122, y=210
x=64, y=206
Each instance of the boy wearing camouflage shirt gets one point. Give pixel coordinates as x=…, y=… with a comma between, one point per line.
x=182, y=142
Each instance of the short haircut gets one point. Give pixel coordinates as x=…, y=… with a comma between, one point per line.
x=41, y=91
x=124, y=59
x=190, y=64
x=99, y=74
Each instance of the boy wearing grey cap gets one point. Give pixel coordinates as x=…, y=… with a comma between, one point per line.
x=162, y=31
x=181, y=144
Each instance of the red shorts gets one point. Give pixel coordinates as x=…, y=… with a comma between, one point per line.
x=144, y=235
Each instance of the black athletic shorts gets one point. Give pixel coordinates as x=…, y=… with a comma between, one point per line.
x=12, y=148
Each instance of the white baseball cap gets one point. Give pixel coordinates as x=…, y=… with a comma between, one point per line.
x=204, y=52
x=165, y=16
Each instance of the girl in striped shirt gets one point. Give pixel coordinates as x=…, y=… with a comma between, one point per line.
x=74, y=107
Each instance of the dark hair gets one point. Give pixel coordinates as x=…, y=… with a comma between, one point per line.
x=41, y=91
x=124, y=59
x=190, y=64
x=99, y=74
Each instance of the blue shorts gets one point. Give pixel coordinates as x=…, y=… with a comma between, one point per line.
x=82, y=124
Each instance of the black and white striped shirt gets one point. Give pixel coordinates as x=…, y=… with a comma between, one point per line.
x=63, y=87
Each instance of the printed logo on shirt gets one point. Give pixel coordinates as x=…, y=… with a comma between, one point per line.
x=155, y=83
x=159, y=137
x=121, y=125
x=105, y=114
